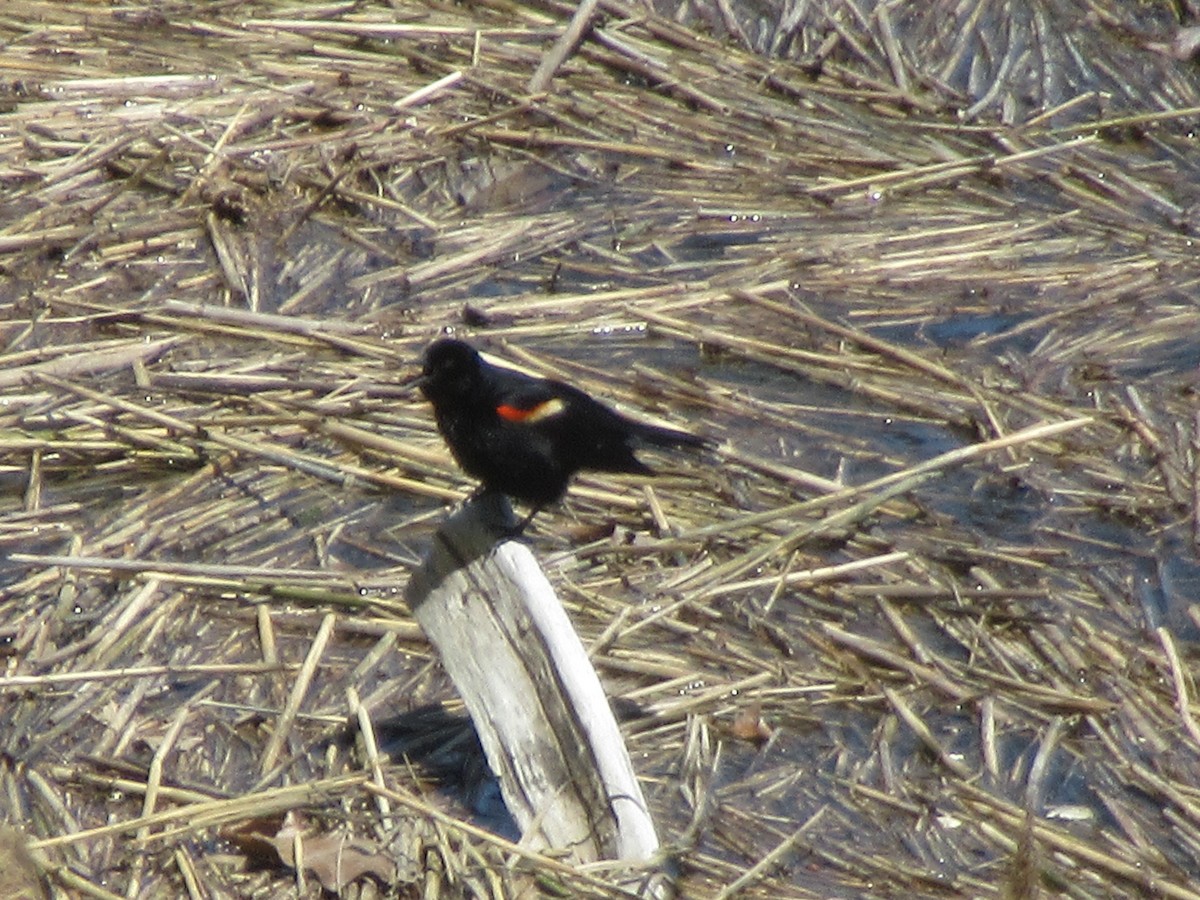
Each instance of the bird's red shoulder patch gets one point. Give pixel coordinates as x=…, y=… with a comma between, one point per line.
x=527, y=415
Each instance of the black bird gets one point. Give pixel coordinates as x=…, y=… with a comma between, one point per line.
x=525, y=436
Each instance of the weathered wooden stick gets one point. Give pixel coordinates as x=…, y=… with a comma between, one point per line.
x=542, y=716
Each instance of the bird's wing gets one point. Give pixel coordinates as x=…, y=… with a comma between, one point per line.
x=519, y=398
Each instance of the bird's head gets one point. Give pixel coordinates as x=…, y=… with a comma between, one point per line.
x=450, y=370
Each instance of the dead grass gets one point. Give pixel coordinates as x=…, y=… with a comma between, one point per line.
x=924, y=623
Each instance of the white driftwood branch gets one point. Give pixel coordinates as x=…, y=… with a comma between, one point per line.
x=541, y=713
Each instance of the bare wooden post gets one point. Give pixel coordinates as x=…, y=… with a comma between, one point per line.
x=542, y=716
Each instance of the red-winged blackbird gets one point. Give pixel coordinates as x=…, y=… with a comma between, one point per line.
x=525, y=436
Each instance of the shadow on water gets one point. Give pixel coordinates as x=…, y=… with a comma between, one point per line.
x=447, y=749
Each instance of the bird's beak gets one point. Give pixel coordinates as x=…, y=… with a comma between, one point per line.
x=413, y=382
